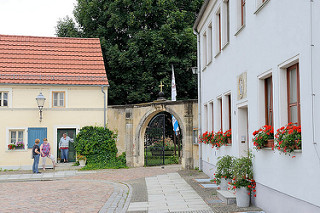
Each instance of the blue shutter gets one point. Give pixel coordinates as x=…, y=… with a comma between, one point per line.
x=34, y=133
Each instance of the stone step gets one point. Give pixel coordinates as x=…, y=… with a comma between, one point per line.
x=226, y=196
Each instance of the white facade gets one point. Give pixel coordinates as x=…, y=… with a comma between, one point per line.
x=272, y=36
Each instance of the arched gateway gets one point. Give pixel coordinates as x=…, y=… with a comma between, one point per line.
x=131, y=123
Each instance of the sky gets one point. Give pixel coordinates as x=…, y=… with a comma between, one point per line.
x=33, y=17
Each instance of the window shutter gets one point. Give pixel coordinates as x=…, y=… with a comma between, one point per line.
x=34, y=133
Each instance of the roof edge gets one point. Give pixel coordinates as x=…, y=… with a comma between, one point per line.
x=200, y=14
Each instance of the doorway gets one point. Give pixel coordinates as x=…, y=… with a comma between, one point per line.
x=71, y=132
x=243, y=136
x=161, y=145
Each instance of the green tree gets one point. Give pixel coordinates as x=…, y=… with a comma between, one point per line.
x=140, y=40
x=66, y=27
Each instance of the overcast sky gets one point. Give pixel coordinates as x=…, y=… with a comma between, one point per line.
x=33, y=17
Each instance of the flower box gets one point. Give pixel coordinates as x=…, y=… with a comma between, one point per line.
x=270, y=143
x=229, y=141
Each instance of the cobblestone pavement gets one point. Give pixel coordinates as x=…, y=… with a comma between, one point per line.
x=95, y=191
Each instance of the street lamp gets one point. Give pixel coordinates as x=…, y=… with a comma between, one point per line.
x=194, y=70
x=40, y=101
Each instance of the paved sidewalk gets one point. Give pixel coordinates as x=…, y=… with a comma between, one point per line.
x=41, y=176
x=170, y=193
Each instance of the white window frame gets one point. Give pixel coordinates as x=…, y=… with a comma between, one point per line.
x=225, y=12
x=218, y=31
x=211, y=116
x=240, y=26
x=218, y=115
x=209, y=43
x=25, y=137
x=204, y=50
x=261, y=96
x=260, y=4
x=65, y=98
x=9, y=91
x=205, y=120
x=283, y=96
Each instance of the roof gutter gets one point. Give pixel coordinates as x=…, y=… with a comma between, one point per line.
x=104, y=107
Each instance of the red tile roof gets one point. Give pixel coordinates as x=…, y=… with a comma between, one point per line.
x=51, y=60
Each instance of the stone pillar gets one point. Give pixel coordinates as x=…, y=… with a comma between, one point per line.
x=188, y=139
x=129, y=137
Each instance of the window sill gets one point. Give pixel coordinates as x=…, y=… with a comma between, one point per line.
x=261, y=6
x=239, y=30
x=298, y=151
x=17, y=150
x=225, y=45
x=204, y=68
x=209, y=63
x=217, y=54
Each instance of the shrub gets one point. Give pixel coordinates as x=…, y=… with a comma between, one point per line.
x=98, y=145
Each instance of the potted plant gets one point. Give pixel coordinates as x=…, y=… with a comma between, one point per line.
x=11, y=146
x=223, y=172
x=205, y=137
x=264, y=137
x=19, y=145
x=227, y=135
x=288, y=138
x=218, y=139
x=82, y=159
x=242, y=180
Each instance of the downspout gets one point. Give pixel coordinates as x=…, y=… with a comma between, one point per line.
x=311, y=83
x=104, y=106
x=199, y=97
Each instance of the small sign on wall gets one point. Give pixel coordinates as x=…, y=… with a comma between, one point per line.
x=242, y=86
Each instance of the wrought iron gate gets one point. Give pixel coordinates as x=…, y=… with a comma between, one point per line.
x=154, y=141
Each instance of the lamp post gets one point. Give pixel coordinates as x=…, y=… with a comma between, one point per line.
x=40, y=101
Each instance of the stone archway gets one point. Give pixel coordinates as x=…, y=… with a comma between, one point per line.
x=131, y=122
x=141, y=129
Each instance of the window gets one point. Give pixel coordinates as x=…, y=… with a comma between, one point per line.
x=3, y=99
x=205, y=118
x=293, y=93
x=204, y=49
x=58, y=99
x=218, y=32
x=17, y=139
x=225, y=23
x=243, y=12
x=220, y=113
x=229, y=111
x=209, y=42
x=211, y=120
x=268, y=92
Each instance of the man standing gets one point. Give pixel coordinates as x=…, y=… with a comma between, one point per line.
x=64, y=147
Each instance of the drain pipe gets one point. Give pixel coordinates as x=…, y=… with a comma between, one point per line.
x=104, y=106
x=311, y=83
x=199, y=97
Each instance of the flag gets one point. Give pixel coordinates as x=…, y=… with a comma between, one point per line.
x=173, y=87
x=175, y=124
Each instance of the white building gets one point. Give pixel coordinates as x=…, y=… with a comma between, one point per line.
x=246, y=48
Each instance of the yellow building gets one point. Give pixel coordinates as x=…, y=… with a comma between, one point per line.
x=68, y=72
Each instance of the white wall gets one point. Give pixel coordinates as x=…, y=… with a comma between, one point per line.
x=272, y=38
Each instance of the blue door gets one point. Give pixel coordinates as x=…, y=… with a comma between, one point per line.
x=36, y=133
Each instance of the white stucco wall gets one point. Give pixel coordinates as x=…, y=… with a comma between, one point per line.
x=280, y=33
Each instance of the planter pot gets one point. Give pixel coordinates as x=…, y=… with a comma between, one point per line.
x=242, y=197
x=82, y=162
x=270, y=143
x=224, y=183
x=229, y=141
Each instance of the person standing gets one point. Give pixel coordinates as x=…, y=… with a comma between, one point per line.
x=36, y=156
x=64, y=147
x=45, y=151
